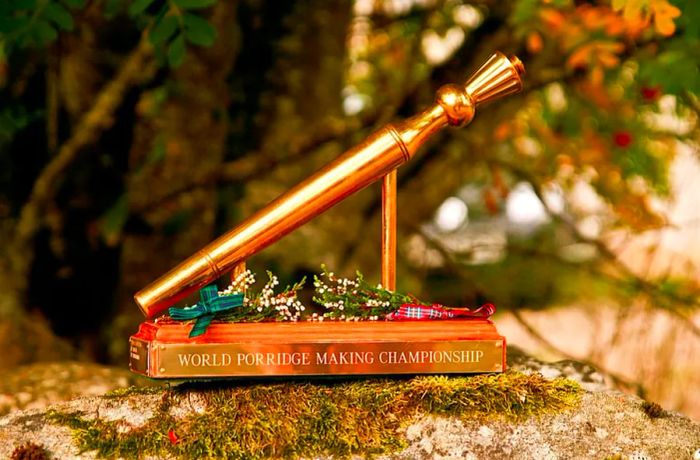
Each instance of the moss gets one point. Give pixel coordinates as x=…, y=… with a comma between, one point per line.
x=292, y=419
x=133, y=390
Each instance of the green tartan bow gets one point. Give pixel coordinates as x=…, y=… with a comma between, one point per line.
x=209, y=305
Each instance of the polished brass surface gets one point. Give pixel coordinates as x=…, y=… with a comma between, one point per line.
x=247, y=359
x=380, y=154
x=389, y=205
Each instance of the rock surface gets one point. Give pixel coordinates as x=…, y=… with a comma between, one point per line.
x=607, y=424
x=37, y=386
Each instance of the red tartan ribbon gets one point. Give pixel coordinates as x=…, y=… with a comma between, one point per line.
x=417, y=312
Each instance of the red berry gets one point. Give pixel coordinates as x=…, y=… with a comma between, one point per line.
x=622, y=138
x=651, y=93
x=173, y=437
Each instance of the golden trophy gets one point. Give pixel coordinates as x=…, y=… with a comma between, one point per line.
x=163, y=349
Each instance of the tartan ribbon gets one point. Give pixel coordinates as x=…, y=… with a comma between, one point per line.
x=210, y=303
x=418, y=312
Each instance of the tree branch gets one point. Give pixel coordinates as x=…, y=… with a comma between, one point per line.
x=100, y=117
x=617, y=380
x=644, y=286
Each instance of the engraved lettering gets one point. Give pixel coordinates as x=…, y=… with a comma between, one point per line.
x=345, y=357
x=204, y=359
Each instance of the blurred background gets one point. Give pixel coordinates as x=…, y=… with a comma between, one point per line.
x=134, y=132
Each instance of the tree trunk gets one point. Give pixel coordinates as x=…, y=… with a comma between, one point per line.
x=180, y=136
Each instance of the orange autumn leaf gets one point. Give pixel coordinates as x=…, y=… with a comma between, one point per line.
x=534, y=43
x=664, y=13
x=641, y=11
x=552, y=18
x=597, y=76
x=608, y=60
x=596, y=53
x=498, y=183
x=631, y=8
x=490, y=201
x=580, y=57
x=636, y=212
x=502, y=131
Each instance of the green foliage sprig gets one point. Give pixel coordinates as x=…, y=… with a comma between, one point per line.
x=25, y=23
x=171, y=24
x=344, y=300
x=349, y=300
x=174, y=24
x=264, y=305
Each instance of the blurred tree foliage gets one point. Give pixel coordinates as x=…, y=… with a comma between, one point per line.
x=133, y=132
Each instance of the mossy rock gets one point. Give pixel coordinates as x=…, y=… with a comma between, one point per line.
x=510, y=415
x=299, y=419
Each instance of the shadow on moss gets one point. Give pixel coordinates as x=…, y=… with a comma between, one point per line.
x=293, y=419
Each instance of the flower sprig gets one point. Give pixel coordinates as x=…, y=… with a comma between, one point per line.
x=265, y=305
x=354, y=299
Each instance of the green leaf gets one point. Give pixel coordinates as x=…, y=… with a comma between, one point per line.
x=139, y=6
x=163, y=30
x=43, y=32
x=57, y=14
x=12, y=25
x=157, y=153
x=75, y=3
x=112, y=7
x=176, y=52
x=198, y=30
x=23, y=5
x=524, y=10
x=194, y=4
x=159, y=55
x=113, y=221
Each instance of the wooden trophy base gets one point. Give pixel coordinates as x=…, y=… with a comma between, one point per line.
x=163, y=349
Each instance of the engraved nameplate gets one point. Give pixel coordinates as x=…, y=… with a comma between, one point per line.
x=217, y=360
x=439, y=347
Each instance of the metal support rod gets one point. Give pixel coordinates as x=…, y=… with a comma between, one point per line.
x=389, y=231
